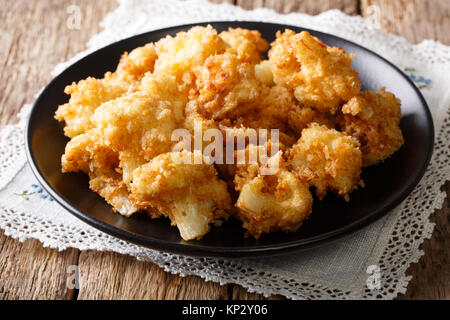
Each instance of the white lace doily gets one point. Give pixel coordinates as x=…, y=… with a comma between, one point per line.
x=336, y=270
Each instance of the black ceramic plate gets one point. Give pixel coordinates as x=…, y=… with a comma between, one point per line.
x=387, y=184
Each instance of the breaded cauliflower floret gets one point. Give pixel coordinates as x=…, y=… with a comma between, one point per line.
x=269, y=203
x=255, y=160
x=179, y=55
x=300, y=118
x=280, y=110
x=273, y=111
x=137, y=126
x=137, y=122
x=273, y=203
x=136, y=131
x=87, y=152
x=87, y=95
x=373, y=118
x=327, y=159
x=164, y=87
x=263, y=72
x=320, y=76
x=138, y=62
x=191, y=195
x=247, y=44
x=226, y=87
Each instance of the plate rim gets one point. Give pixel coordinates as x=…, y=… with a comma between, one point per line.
x=227, y=251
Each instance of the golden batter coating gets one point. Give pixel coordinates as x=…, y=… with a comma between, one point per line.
x=180, y=55
x=320, y=76
x=300, y=118
x=123, y=129
x=191, y=195
x=89, y=153
x=280, y=110
x=138, y=127
x=373, y=118
x=246, y=44
x=270, y=202
x=138, y=62
x=226, y=87
x=87, y=95
x=327, y=159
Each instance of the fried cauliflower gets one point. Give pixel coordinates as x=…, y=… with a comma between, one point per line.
x=191, y=195
x=263, y=72
x=89, y=153
x=327, y=159
x=246, y=44
x=270, y=130
x=272, y=112
x=300, y=118
x=138, y=127
x=226, y=86
x=320, y=76
x=87, y=95
x=180, y=55
x=270, y=202
x=373, y=118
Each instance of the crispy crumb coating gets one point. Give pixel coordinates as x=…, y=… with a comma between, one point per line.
x=88, y=152
x=300, y=118
x=246, y=44
x=87, y=95
x=373, y=118
x=137, y=126
x=180, y=55
x=122, y=129
x=272, y=112
x=280, y=110
x=269, y=203
x=138, y=62
x=263, y=72
x=327, y=159
x=191, y=195
x=137, y=122
x=226, y=87
x=320, y=76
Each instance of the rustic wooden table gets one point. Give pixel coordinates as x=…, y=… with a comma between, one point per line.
x=34, y=37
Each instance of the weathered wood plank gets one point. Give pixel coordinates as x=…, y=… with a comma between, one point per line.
x=107, y=275
x=413, y=19
x=306, y=6
x=35, y=36
x=29, y=271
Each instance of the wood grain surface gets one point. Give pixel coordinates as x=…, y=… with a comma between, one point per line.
x=35, y=36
